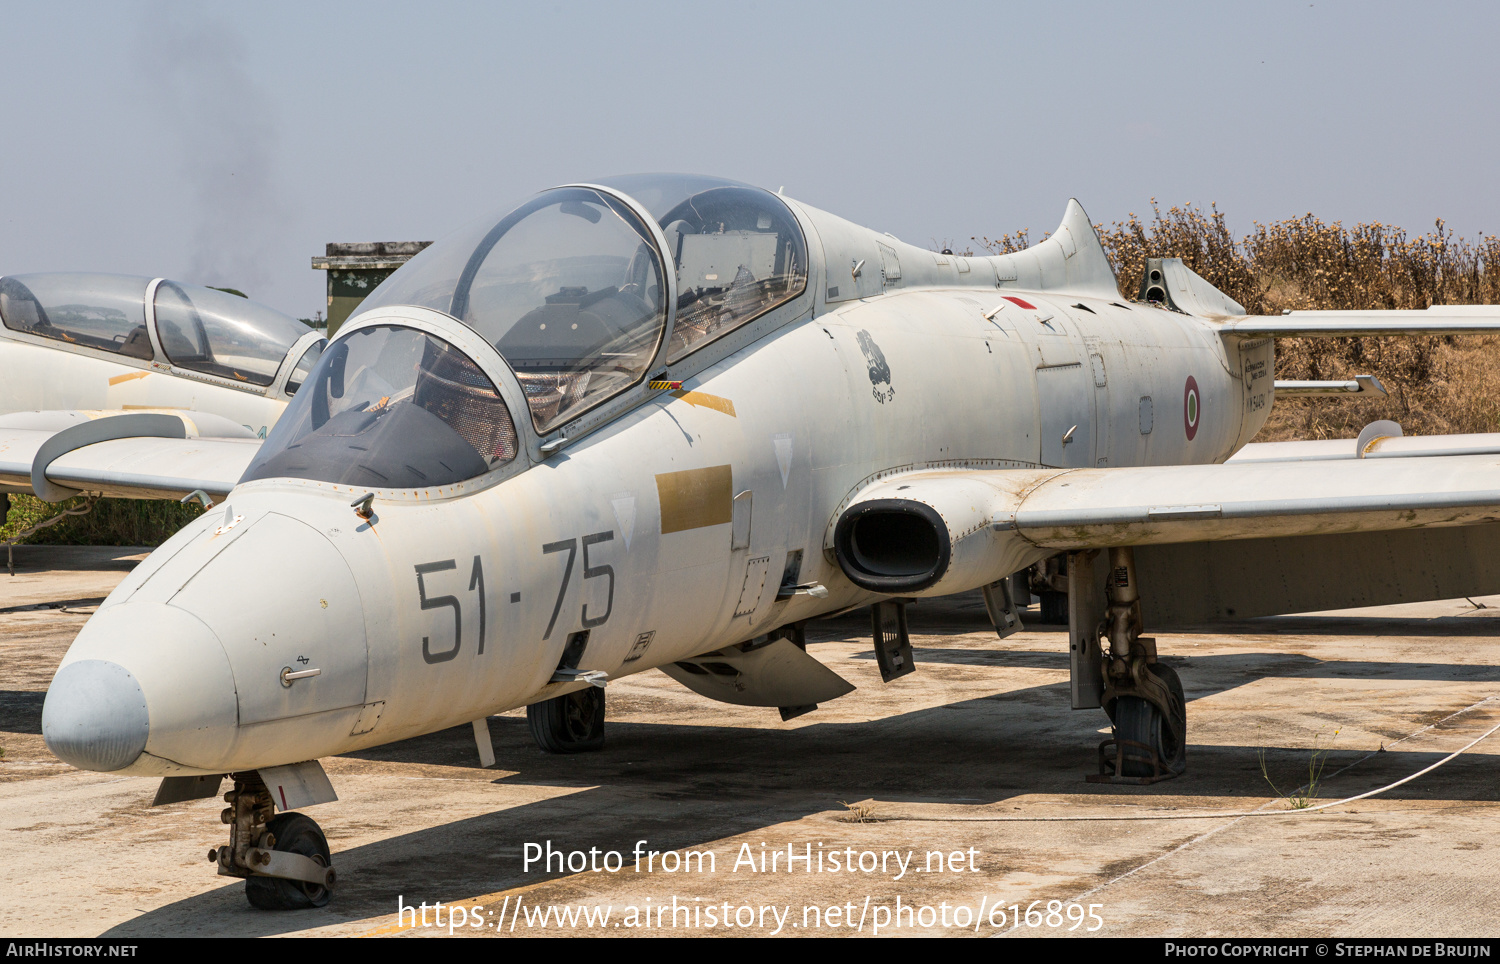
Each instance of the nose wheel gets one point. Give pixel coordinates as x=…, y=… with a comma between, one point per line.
x=294, y=833
x=571, y=723
x=283, y=857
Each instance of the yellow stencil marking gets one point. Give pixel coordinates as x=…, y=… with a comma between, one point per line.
x=705, y=400
x=127, y=378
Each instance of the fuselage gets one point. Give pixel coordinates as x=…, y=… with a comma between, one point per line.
x=662, y=533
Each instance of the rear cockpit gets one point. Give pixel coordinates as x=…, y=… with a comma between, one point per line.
x=584, y=289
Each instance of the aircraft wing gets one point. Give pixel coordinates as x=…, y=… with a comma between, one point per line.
x=132, y=455
x=940, y=531
x=1093, y=508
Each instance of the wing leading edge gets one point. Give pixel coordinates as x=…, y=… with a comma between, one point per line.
x=944, y=531
x=134, y=455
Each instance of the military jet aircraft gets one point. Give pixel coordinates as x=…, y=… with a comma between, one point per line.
x=664, y=421
x=76, y=348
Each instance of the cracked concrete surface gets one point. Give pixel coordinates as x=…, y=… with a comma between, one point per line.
x=943, y=760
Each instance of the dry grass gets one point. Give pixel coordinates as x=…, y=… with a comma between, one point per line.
x=1436, y=385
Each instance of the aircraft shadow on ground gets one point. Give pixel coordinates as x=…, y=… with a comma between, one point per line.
x=961, y=619
x=21, y=711
x=29, y=558
x=691, y=787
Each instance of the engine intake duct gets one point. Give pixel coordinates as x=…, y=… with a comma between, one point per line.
x=892, y=545
x=934, y=532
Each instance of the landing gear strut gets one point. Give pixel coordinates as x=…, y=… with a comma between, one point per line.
x=571, y=723
x=1143, y=697
x=283, y=858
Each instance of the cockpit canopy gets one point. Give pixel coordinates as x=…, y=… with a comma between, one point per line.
x=198, y=329
x=570, y=287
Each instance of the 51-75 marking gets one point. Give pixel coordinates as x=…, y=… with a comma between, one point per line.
x=476, y=584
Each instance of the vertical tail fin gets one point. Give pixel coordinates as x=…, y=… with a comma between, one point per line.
x=1071, y=259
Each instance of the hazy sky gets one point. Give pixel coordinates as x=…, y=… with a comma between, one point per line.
x=225, y=143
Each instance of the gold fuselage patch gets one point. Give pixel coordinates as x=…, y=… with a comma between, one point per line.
x=695, y=498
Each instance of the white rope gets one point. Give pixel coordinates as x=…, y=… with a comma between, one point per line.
x=1219, y=814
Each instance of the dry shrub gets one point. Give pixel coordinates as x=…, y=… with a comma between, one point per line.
x=1436, y=385
x=113, y=522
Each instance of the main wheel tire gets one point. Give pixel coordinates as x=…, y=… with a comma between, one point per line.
x=572, y=723
x=295, y=834
x=1054, y=608
x=1140, y=721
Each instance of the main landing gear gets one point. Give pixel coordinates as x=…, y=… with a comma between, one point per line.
x=571, y=723
x=1143, y=697
x=283, y=858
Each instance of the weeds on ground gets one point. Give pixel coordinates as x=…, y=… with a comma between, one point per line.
x=858, y=812
x=1302, y=797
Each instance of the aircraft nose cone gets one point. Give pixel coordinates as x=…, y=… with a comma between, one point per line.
x=95, y=716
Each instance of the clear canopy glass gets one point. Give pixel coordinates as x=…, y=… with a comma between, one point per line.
x=305, y=366
x=216, y=333
x=568, y=288
x=201, y=329
x=390, y=407
x=737, y=249
x=103, y=311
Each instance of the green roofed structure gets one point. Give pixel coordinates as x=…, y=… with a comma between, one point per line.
x=355, y=268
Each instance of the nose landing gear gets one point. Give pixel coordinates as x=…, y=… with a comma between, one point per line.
x=283, y=858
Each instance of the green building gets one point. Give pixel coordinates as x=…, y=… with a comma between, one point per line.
x=355, y=268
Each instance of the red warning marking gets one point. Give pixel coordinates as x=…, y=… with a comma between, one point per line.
x=282, y=791
x=664, y=386
x=1020, y=302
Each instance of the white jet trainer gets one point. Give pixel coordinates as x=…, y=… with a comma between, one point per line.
x=664, y=421
x=120, y=357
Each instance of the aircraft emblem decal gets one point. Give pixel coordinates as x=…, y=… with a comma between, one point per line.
x=880, y=372
x=1190, y=407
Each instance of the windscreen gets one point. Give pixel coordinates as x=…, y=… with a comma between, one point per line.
x=390, y=407
x=102, y=311
x=305, y=366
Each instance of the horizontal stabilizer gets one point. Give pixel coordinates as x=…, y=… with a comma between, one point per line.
x=1398, y=447
x=1358, y=385
x=1437, y=320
